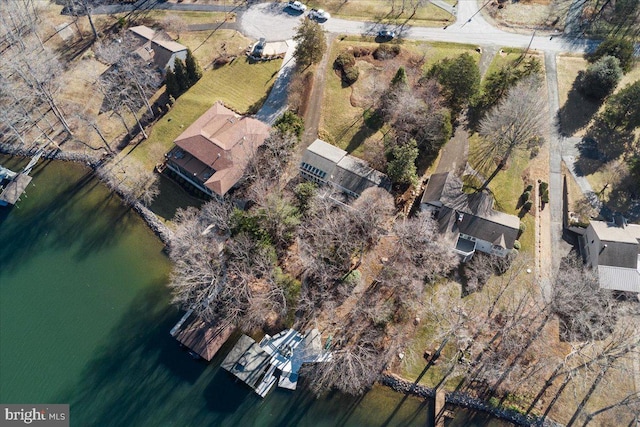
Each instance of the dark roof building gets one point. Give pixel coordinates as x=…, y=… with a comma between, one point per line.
x=613, y=249
x=469, y=220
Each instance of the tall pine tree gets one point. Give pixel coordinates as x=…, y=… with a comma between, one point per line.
x=180, y=70
x=173, y=88
x=194, y=72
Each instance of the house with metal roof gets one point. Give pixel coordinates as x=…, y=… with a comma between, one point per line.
x=214, y=151
x=468, y=220
x=324, y=164
x=158, y=47
x=275, y=360
x=613, y=250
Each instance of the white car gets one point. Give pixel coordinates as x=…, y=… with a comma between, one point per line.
x=296, y=5
x=319, y=14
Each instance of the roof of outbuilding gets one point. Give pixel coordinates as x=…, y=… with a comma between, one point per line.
x=619, y=278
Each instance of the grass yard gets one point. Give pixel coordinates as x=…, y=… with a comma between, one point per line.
x=506, y=55
x=209, y=45
x=343, y=108
x=238, y=85
x=381, y=11
x=190, y=18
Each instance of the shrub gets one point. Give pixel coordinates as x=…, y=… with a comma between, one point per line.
x=522, y=228
x=386, y=51
x=290, y=123
x=527, y=205
x=350, y=75
x=344, y=60
x=529, y=188
x=359, y=51
x=526, y=196
x=544, y=197
x=543, y=187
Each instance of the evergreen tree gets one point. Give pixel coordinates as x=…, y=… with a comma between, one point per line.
x=312, y=43
x=616, y=47
x=402, y=168
x=600, y=78
x=460, y=80
x=172, y=86
x=194, y=72
x=180, y=71
x=400, y=77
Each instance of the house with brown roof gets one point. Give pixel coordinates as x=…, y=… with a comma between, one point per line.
x=157, y=47
x=214, y=151
x=468, y=220
x=613, y=250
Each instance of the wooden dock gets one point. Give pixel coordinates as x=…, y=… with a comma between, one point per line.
x=440, y=412
x=14, y=189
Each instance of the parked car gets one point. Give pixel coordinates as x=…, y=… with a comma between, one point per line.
x=319, y=14
x=386, y=34
x=296, y=5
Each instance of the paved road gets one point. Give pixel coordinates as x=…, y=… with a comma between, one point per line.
x=156, y=4
x=273, y=22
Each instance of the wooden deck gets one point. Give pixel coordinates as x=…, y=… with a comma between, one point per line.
x=14, y=189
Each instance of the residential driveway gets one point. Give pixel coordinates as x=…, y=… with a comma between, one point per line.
x=269, y=20
x=276, y=102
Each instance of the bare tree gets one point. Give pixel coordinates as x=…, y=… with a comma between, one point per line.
x=513, y=123
x=132, y=180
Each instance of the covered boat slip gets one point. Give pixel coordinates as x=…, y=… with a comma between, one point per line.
x=14, y=189
x=203, y=338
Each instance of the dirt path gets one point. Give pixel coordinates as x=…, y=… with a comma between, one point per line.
x=314, y=108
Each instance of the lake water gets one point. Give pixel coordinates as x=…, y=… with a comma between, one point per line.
x=85, y=320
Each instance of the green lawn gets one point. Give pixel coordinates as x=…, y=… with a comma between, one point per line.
x=507, y=56
x=507, y=187
x=238, y=85
x=380, y=11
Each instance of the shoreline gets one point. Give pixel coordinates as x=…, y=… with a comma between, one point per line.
x=392, y=381
x=463, y=400
x=151, y=220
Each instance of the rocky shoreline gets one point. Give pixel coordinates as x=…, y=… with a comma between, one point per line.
x=94, y=161
x=465, y=401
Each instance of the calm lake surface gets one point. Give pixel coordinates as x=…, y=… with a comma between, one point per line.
x=85, y=320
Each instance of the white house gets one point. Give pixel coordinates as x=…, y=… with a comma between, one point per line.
x=324, y=163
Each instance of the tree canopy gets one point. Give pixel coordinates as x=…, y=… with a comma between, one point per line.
x=312, y=43
x=460, y=79
x=617, y=47
x=600, y=78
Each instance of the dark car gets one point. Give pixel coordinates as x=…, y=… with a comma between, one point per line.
x=386, y=34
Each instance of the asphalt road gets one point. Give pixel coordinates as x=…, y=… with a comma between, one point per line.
x=275, y=22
